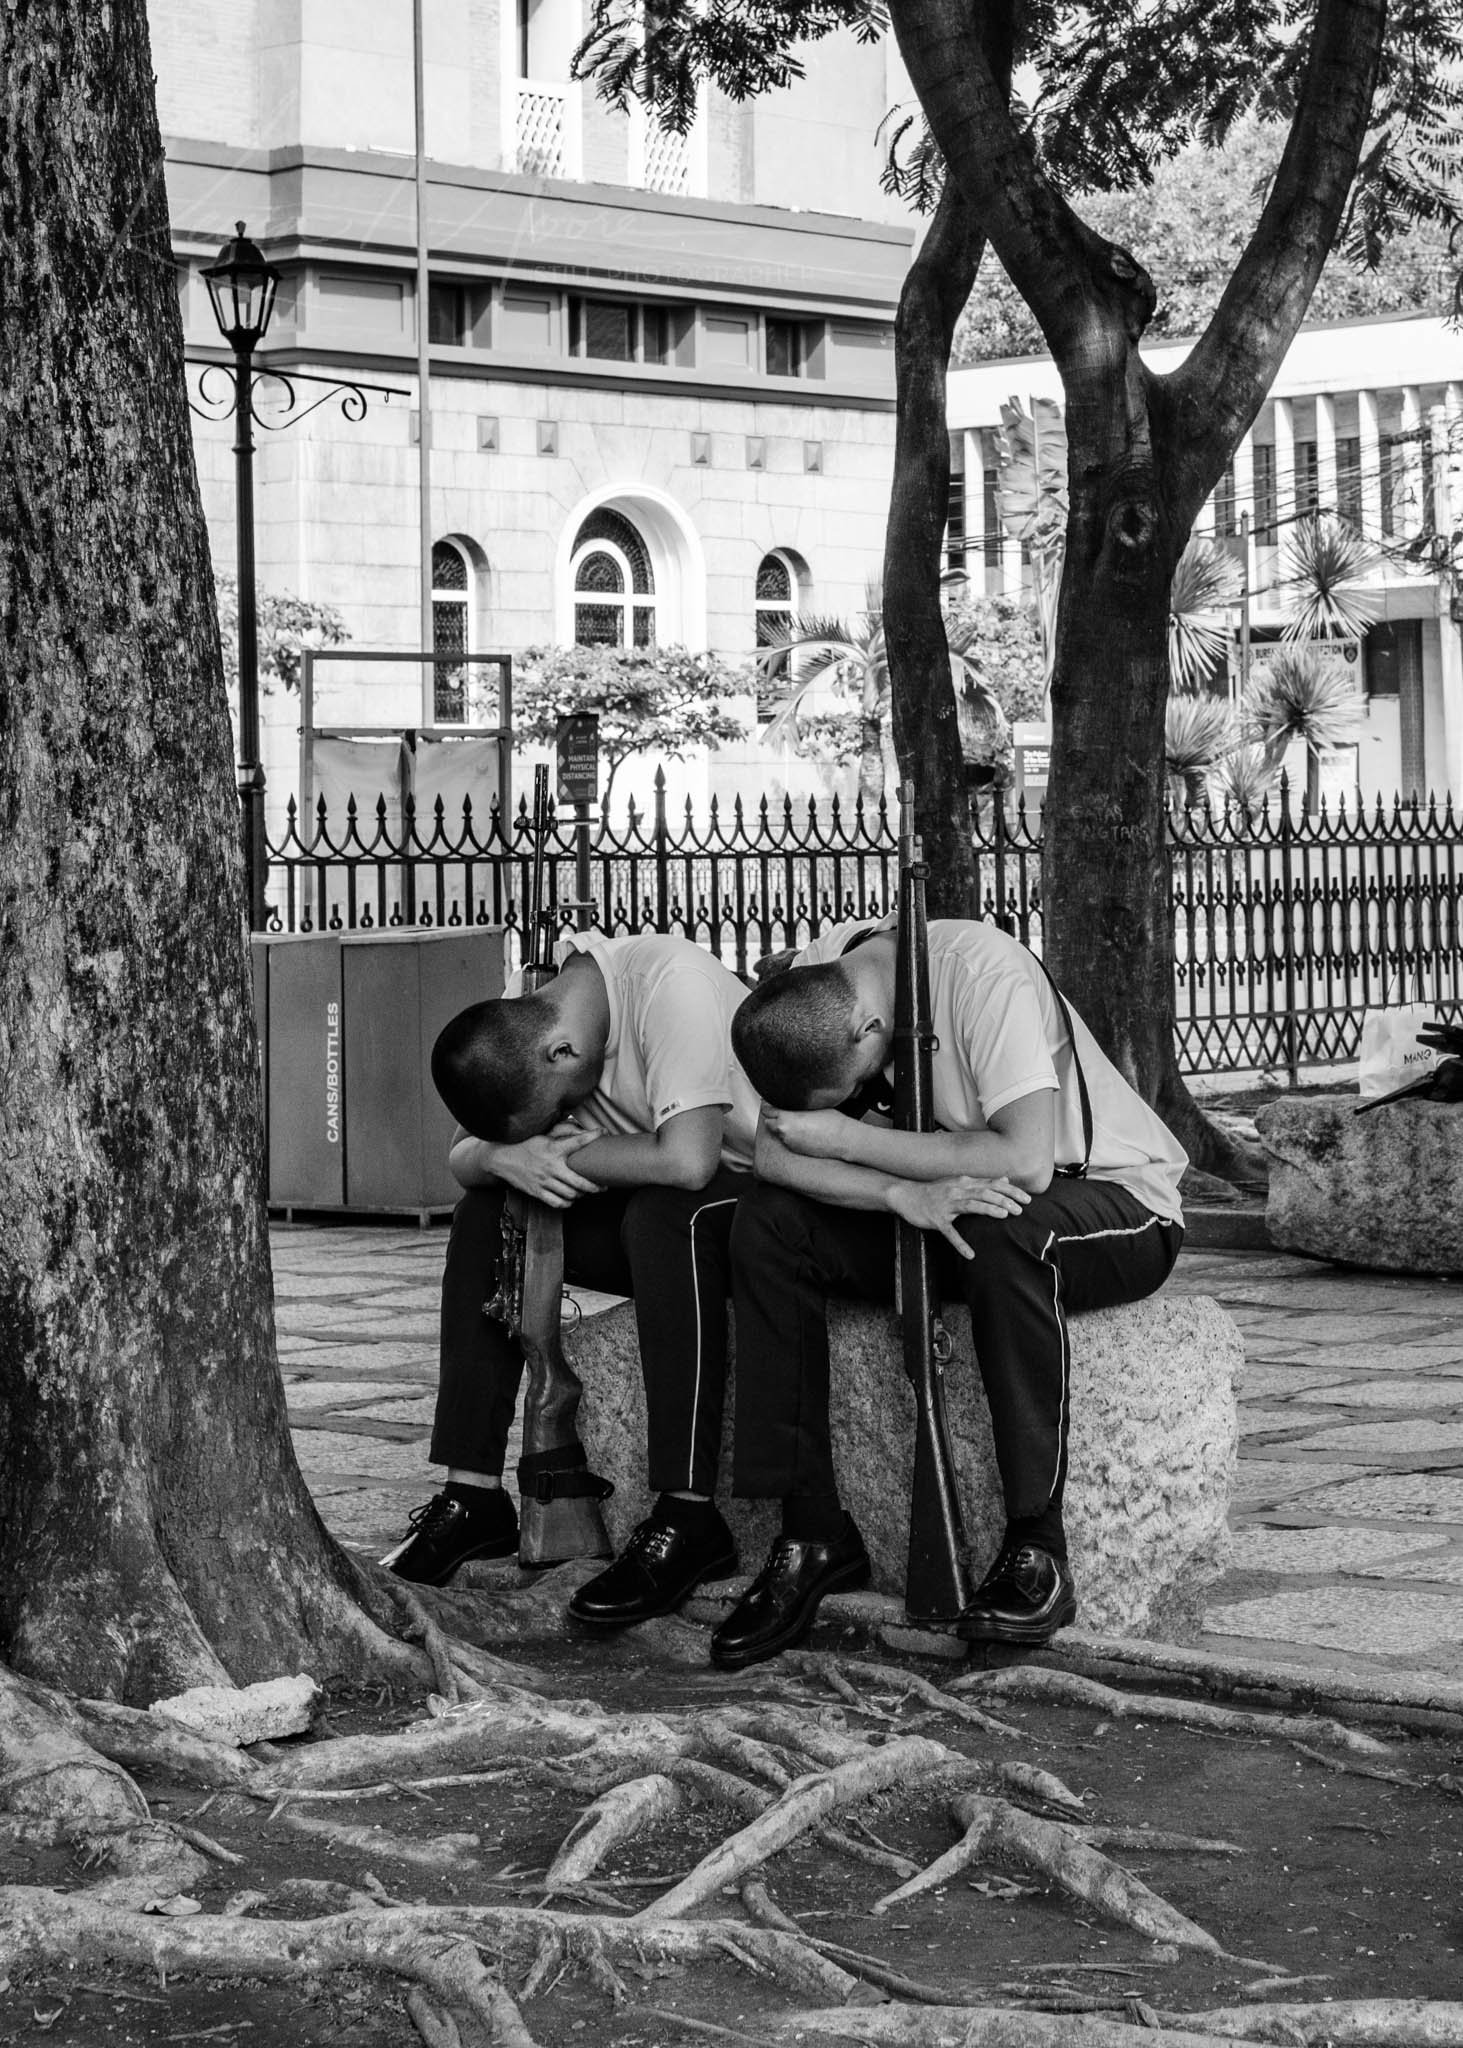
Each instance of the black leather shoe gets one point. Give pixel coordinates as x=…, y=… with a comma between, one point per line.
x=658, y=1568
x=780, y=1606
x=1025, y=1597
x=445, y=1534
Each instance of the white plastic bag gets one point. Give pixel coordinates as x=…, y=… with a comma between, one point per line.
x=1390, y=1053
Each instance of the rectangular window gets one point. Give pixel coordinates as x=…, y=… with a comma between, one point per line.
x=991, y=515
x=1348, y=479
x=1265, y=512
x=1307, y=480
x=784, y=348
x=1392, y=648
x=525, y=323
x=725, y=341
x=608, y=331
x=366, y=306
x=446, y=315
x=865, y=355
x=1226, y=511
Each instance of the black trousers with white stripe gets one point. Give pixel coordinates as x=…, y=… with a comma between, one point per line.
x=1083, y=1244
x=667, y=1247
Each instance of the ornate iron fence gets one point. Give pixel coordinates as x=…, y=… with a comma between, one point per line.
x=1286, y=929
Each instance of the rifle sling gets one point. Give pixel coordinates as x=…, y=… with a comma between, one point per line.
x=576, y=1482
x=1072, y=1172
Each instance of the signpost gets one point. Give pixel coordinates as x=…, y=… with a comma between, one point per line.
x=576, y=741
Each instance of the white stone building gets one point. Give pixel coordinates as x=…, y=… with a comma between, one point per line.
x=661, y=369
x=1365, y=420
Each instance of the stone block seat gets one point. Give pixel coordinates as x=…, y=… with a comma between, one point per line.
x=1381, y=1190
x=1153, y=1447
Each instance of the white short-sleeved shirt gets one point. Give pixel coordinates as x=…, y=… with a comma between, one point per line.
x=1001, y=1036
x=669, y=1043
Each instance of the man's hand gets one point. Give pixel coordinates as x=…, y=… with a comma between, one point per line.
x=813, y=1133
x=936, y=1204
x=541, y=1167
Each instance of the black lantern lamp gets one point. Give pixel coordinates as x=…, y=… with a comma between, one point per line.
x=241, y=287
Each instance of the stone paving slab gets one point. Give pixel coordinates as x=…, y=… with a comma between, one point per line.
x=1348, y=1546
x=305, y=1395
x=1358, y=1438
x=1403, y=1497
x=1401, y=1392
x=1344, y=1618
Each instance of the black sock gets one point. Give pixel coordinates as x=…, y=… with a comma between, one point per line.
x=813, y=1517
x=490, y=1503
x=1044, y=1530
x=691, y=1517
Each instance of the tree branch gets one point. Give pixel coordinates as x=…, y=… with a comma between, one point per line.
x=1217, y=391
x=1086, y=294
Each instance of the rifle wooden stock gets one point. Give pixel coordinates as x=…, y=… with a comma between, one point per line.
x=937, y=1585
x=559, y=1513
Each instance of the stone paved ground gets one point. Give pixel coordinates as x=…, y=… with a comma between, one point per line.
x=1348, y=1512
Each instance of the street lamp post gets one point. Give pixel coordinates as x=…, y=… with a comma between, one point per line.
x=241, y=289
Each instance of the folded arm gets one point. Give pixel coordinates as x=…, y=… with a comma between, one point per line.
x=1019, y=1145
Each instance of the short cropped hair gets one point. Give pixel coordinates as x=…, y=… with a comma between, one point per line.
x=794, y=1034
x=485, y=1067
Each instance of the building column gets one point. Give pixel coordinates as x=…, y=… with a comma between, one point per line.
x=1326, y=451
x=1287, y=499
x=1244, y=497
x=1409, y=464
x=1369, y=457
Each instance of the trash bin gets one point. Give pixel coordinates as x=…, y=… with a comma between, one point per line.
x=353, y=1120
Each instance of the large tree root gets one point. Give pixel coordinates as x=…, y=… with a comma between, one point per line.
x=1066, y=1688
x=993, y=2026
x=800, y=1807
x=997, y=1832
x=40, y=1928
x=1366, y=2023
x=1431, y=1705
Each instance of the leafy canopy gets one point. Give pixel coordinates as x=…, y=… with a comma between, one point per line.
x=647, y=699
x=1189, y=227
x=1119, y=92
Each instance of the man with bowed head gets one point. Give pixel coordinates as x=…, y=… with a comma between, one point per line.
x=1051, y=1187
x=610, y=1093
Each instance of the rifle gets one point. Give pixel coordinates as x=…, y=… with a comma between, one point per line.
x=559, y=1497
x=936, y=1586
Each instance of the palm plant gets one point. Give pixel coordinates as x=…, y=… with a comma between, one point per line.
x=1245, y=777
x=855, y=657
x=1325, y=560
x=1297, y=696
x=1197, y=734
x=1205, y=581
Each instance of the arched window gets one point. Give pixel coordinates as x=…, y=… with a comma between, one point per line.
x=776, y=590
x=614, y=584
x=451, y=630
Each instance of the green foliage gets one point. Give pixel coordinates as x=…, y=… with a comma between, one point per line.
x=285, y=626
x=1189, y=228
x=1001, y=641
x=1296, y=695
x=1205, y=580
x=1198, y=732
x=664, y=700
x=855, y=657
x=1325, y=559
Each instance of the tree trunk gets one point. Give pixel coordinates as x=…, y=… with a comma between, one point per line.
x=154, y=1528
x=926, y=728
x=1105, y=863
